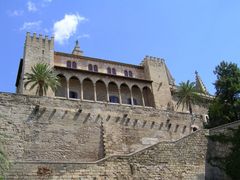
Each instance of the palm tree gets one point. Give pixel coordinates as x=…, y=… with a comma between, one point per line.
x=42, y=77
x=187, y=95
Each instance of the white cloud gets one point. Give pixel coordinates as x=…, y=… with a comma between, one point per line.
x=35, y=25
x=83, y=36
x=16, y=13
x=31, y=6
x=66, y=27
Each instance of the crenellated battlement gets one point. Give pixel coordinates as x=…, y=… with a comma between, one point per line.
x=35, y=40
x=153, y=59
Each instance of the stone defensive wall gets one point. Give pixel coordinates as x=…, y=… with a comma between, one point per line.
x=181, y=159
x=53, y=135
x=59, y=129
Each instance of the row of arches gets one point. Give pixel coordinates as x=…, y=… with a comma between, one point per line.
x=99, y=91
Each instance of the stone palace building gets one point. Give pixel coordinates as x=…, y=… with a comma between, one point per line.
x=149, y=84
x=107, y=120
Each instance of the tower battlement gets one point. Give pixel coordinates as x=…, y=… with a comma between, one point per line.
x=152, y=58
x=44, y=41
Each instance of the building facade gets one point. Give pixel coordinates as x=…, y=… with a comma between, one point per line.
x=107, y=120
x=149, y=84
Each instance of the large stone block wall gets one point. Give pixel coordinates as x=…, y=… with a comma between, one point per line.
x=38, y=130
x=132, y=130
x=182, y=159
x=60, y=129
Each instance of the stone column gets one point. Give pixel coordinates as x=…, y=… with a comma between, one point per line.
x=107, y=95
x=67, y=95
x=143, y=99
x=81, y=91
x=119, y=95
x=131, y=97
x=95, y=92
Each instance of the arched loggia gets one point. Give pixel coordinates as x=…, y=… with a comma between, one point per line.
x=101, y=91
x=125, y=94
x=61, y=91
x=148, y=97
x=74, y=88
x=113, y=92
x=137, y=95
x=88, y=89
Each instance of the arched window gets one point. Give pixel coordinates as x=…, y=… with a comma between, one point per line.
x=69, y=64
x=114, y=71
x=126, y=73
x=61, y=91
x=74, y=65
x=74, y=88
x=113, y=92
x=137, y=95
x=101, y=91
x=130, y=74
x=148, y=97
x=125, y=94
x=95, y=67
x=109, y=71
x=90, y=68
x=88, y=89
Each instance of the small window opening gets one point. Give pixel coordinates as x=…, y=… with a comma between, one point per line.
x=74, y=65
x=184, y=129
x=126, y=73
x=69, y=64
x=90, y=68
x=95, y=67
x=130, y=74
x=114, y=71
x=109, y=71
x=167, y=122
x=176, y=128
x=169, y=127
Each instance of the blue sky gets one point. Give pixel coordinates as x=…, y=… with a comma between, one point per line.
x=189, y=35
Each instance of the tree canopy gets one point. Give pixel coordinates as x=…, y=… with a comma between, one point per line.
x=41, y=78
x=225, y=108
x=187, y=95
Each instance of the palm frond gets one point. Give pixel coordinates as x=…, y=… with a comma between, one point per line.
x=42, y=77
x=187, y=95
